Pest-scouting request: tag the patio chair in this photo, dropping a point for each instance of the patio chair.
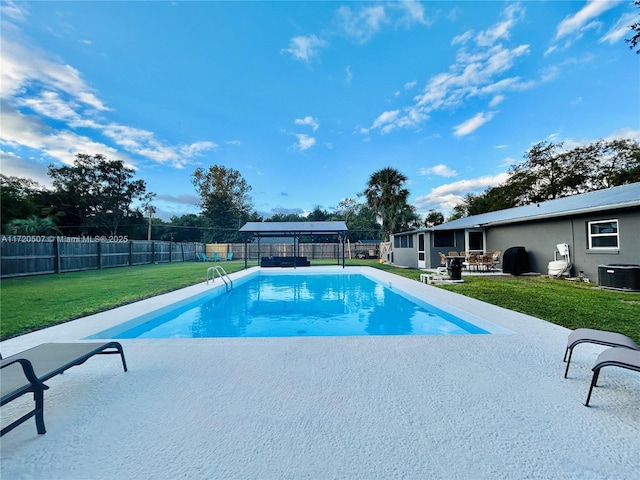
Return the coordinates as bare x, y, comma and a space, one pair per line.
229, 256
614, 357
599, 337
496, 258
216, 257
202, 257
27, 371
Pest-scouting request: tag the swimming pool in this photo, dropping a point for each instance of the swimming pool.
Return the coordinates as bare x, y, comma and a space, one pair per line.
287, 304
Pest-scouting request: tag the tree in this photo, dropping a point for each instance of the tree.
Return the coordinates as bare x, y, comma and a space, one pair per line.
149, 210
34, 226
225, 201
387, 197
434, 217
318, 215
635, 39
20, 198
549, 172
96, 195
286, 217
619, 164
186, 228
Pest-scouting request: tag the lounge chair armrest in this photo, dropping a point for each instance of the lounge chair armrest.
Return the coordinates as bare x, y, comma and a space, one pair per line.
29, 373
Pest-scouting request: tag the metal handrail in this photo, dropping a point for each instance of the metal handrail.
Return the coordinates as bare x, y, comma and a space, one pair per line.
228, 283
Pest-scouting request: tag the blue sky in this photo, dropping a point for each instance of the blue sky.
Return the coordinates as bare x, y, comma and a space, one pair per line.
308, 99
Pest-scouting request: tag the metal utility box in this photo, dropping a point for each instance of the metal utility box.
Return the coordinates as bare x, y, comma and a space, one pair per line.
619, 276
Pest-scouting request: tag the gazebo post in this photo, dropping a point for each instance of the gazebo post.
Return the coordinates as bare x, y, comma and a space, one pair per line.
246, 242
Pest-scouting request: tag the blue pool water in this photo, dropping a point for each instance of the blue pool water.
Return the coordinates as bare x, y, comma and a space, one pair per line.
299, 305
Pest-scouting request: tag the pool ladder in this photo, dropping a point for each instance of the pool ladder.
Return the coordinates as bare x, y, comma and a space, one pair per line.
228, 283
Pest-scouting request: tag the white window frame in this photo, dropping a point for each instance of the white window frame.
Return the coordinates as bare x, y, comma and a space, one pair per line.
600, 235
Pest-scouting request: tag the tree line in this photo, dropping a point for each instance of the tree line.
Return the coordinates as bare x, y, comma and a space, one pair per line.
550, 171
98, 196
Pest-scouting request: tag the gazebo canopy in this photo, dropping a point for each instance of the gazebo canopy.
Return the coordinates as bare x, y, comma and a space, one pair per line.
295, 230
292, 229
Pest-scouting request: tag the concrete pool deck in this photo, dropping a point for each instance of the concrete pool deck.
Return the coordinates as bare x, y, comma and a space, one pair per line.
437, 407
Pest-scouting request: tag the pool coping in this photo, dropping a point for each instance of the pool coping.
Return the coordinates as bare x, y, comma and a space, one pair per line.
404, 287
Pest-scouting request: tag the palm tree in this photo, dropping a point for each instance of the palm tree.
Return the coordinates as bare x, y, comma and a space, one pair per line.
388, 198
33, 225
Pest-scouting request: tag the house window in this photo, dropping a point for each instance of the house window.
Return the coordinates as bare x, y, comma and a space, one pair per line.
403, 241
603, 234
443, 238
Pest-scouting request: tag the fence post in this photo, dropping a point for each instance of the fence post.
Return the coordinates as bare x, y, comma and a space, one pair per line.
182, 248
130, 253
99, 255
57, 246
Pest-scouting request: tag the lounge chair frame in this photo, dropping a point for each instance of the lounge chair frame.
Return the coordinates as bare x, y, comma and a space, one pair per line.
38, 367
614, 357
598, 337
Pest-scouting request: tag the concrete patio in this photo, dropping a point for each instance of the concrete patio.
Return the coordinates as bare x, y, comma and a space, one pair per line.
415, 407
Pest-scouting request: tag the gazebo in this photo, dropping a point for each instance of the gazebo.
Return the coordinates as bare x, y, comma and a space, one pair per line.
293, 230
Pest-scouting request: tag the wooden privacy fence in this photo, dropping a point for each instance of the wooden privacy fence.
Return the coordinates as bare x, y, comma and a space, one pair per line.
312, 251
42, 255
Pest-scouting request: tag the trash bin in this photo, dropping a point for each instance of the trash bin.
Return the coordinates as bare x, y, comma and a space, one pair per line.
455, 269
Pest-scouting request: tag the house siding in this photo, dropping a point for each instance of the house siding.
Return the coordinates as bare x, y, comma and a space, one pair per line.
629, 242
540, 239
539, 227
408, 256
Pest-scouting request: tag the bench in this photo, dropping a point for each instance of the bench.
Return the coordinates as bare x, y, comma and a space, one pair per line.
27, 371
284, 262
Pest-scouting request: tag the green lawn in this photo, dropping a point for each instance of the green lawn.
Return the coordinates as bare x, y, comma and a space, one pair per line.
31, 303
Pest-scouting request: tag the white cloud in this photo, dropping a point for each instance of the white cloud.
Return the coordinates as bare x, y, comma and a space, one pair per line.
501, 30
549, 73
364, 23
14, 11
15, 166
310, 121
621, 28
622, 134
28, 131
479, 70
305, 142
497, 100
385, 118
581, 20
445, 197
471, 125
348, 75
304, 48
441, 170
414, 11
463, 38
58, 92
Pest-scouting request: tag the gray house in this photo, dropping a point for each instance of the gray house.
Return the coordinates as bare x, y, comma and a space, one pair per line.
600, 227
